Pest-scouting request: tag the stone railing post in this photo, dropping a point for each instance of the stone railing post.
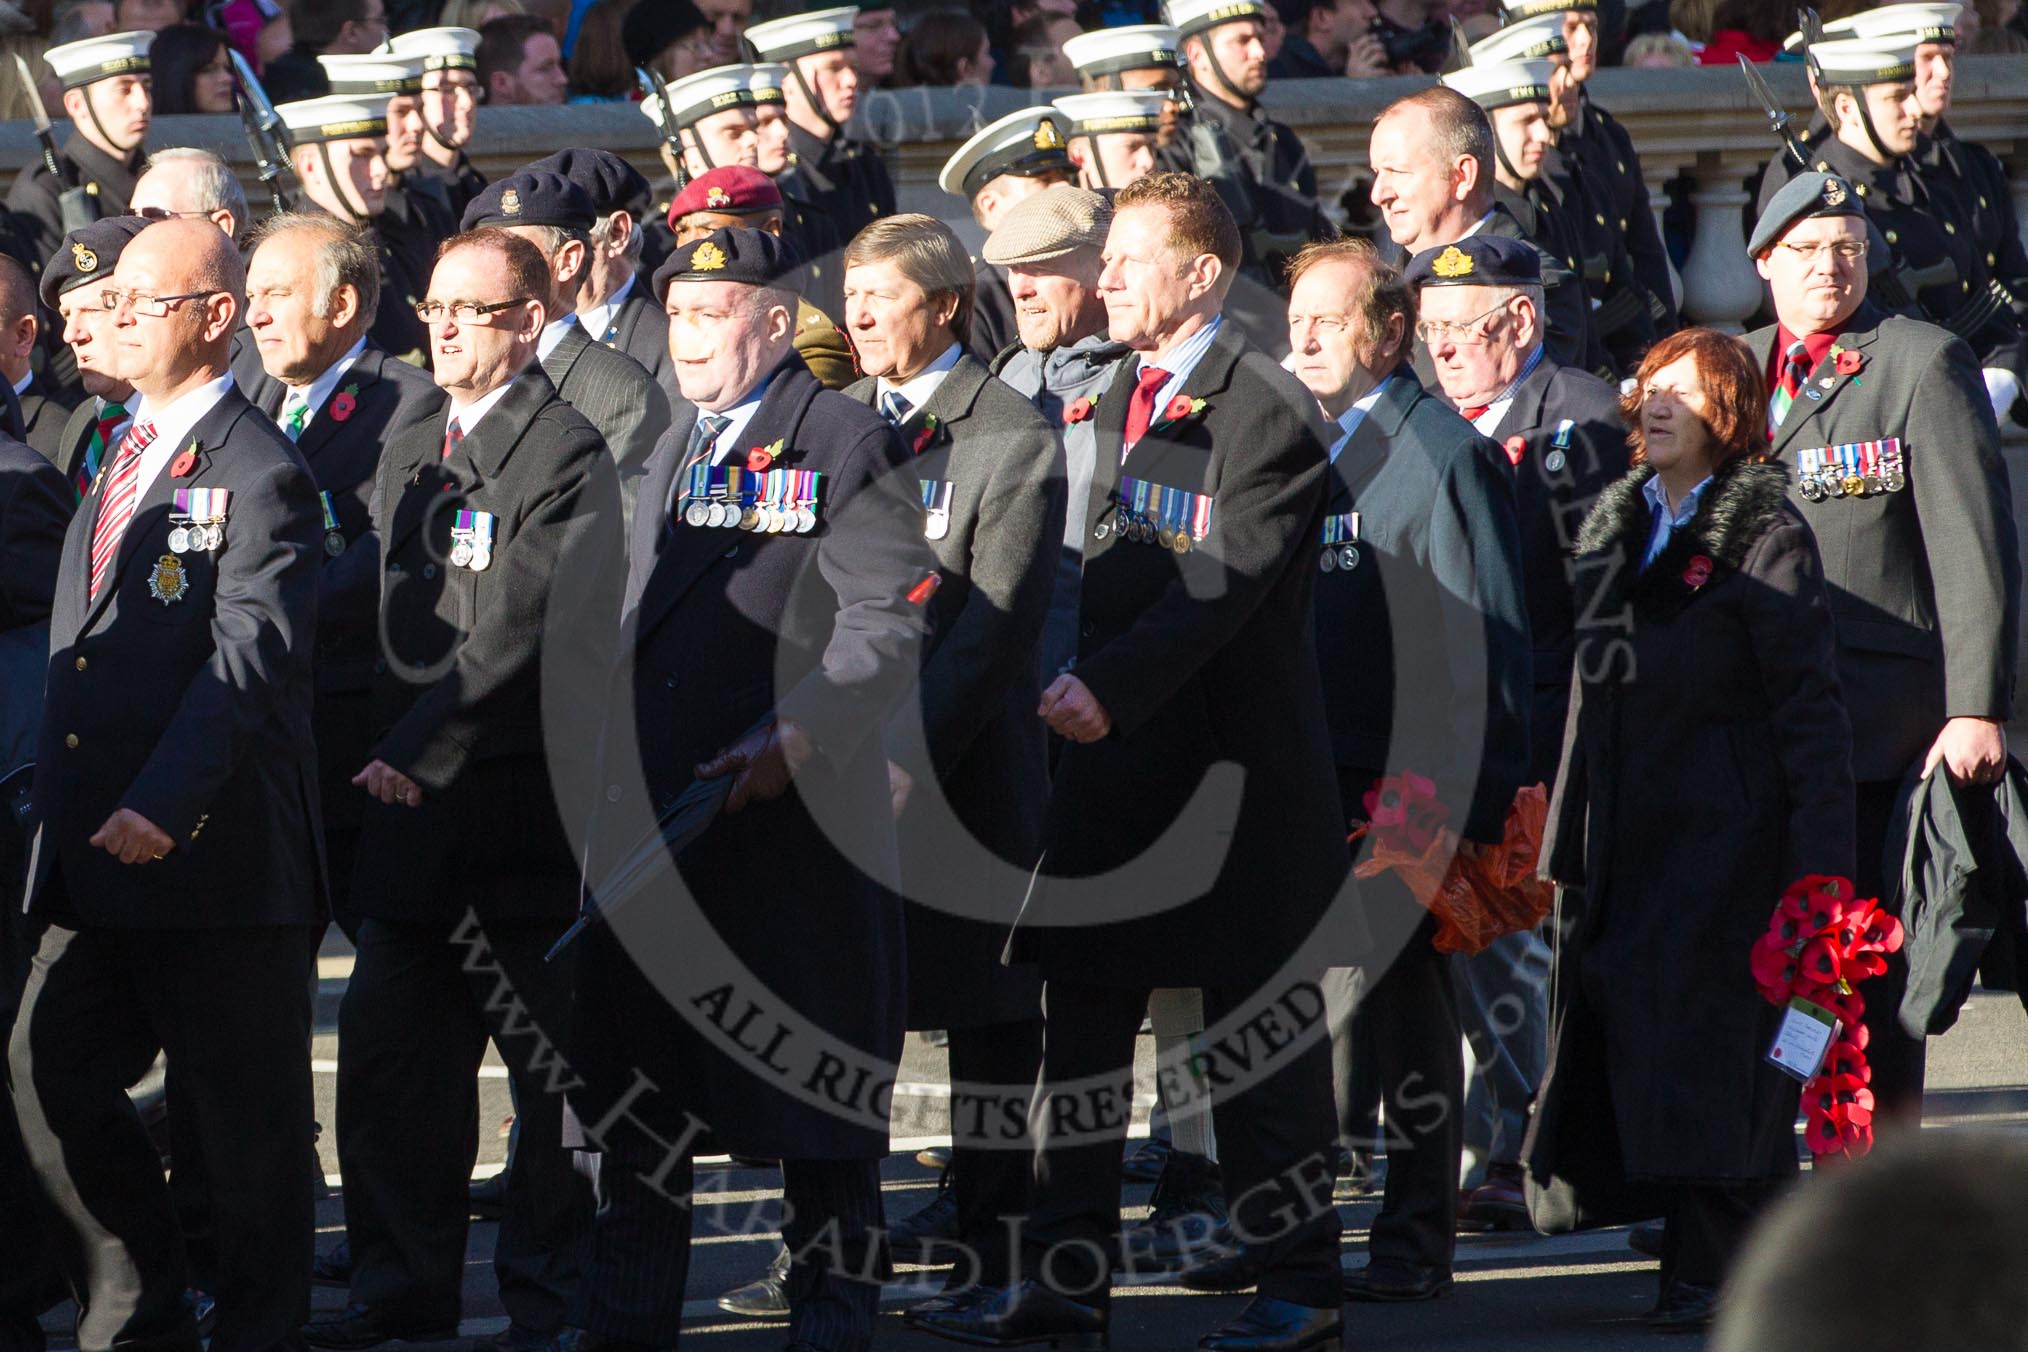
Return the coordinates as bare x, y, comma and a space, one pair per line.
1657, 172
1721, 289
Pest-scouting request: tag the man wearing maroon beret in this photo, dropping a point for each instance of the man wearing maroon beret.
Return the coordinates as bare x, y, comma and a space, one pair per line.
736, 195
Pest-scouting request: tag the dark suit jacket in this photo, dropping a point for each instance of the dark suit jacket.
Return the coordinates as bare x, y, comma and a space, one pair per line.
484, 670
35, 508
1568, 318
1925, 583
43, 418
723, 626
386, 397
1424, 642
972, 739
615, 395
1573, 443
1200, 658
193, 712
641, 330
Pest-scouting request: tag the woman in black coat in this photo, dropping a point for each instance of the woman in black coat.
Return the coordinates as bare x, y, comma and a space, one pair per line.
1707, 767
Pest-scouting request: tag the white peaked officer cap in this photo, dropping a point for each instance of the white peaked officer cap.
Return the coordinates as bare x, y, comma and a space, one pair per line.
1028, 142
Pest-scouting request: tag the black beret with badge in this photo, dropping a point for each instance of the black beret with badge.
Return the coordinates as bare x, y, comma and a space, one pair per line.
1807, 196
88, 255
609, 181
531, 197
732, 254
1477, 260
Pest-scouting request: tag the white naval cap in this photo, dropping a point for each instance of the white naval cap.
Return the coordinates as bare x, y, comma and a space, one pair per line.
696, 97
1191, 17
1503, 84
80, 63
1513, 11
437, 48
801, 34
1856, 61
1108, 51
1026, 142
372, 73
767, 80
1534, 39
334, 117
1118, 110
1918, 23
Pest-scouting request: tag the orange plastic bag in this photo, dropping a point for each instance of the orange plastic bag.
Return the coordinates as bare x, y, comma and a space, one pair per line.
1474, 900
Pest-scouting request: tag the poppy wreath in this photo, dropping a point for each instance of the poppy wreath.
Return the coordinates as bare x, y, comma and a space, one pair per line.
1821, 942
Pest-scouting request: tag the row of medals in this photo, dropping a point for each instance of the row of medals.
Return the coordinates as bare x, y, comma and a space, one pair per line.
465, 554
767, 520
194, 535
1334, 557
1142, 530
1817, 487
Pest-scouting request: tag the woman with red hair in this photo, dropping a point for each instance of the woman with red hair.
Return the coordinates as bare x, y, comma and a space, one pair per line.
1707, 767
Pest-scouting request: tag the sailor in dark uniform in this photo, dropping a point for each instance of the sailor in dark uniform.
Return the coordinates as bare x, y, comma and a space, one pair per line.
1020, 154
449, 103
811, 233
1115, 135
1259, 166
846, 177
1135, 58
106, 96
336, 146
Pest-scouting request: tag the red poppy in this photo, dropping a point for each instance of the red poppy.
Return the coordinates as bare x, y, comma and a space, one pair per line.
758, 460
1774, 969
924, 438
1845, 1058
1849, 362
1078, 411
1517, 449
180, 467
1819, 962
1879, 932
1405, 806
1179, 407
1697, 572
342, 404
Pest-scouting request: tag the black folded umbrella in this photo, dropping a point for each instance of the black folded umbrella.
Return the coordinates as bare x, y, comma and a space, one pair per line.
682, 822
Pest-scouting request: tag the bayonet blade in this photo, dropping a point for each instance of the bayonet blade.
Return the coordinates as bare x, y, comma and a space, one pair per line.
1777, 116
34, 94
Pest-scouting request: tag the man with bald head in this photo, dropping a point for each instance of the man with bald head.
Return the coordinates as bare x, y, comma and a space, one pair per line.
177, 861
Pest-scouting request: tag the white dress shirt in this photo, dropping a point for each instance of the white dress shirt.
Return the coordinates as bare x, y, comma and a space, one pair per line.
1497, 410
468, 415
318, 392
598, 321
1349, 420
552, 334
918, 388
173, 422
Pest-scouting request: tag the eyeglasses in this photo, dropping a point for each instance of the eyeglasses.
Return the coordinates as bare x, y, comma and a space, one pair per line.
1843, 250
462, 311
154, 307
163, 213
1434, 331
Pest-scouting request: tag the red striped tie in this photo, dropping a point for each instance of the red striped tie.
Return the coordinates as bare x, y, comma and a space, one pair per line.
116, 509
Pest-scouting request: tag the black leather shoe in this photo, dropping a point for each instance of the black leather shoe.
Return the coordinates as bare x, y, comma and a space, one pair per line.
1025, 1315
356, 1326
203, 1309
1270, 1325
333, 1267
1646, 1239
934, 1157
1684, 1308
766, 1298
947, 1301
520, 1338
487, 1197
1225, 1274
1145, 1164
1187, 1225
1499, 1203
1391, 1281
923, 1236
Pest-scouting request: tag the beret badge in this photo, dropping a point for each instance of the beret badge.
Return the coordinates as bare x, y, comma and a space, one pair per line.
1453, 262
708, 258
717, 197
86, 260
510, 203
1834, 193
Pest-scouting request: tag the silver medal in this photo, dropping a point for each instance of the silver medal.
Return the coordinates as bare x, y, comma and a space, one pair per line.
1555, 461
696, 514
1328, 561
461, 554
179, 540
938, 525
806, 520
481, 558
1348, 557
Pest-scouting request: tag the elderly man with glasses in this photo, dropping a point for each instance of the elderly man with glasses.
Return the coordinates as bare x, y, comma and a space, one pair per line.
498, 527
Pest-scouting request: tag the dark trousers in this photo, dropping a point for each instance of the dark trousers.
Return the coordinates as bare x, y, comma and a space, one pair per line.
29, 1282
639, 1257
1398, 1041
992, 1152
1898, 1060
230, 1009
1707, 1224
1274, 1143
412, 1028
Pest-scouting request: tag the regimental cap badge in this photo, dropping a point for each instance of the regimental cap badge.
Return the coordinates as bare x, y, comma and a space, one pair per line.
86, 260
1453, 262
510, 203
1047, 137
717, 197
708, 258
1834, 192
